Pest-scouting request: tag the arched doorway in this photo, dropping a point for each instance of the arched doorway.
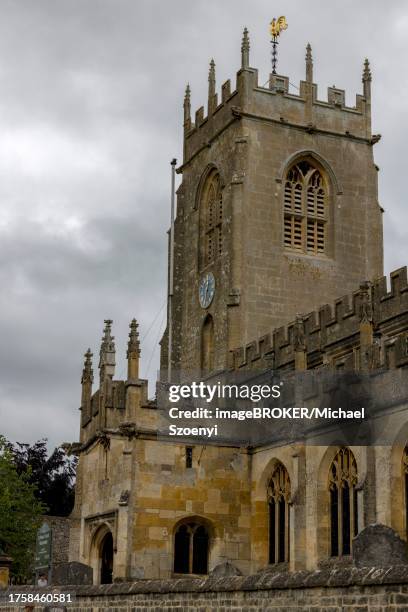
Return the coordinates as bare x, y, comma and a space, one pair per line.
106, 556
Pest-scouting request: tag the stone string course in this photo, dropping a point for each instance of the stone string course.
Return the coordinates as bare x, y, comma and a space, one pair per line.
329, 590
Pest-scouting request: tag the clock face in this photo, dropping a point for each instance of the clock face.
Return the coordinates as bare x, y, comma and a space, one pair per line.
206, 290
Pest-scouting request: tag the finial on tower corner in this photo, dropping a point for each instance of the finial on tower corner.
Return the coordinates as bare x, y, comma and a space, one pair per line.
107, 338
245, 46
309, 63
187, 108
87, 372
105, 334
367, 81
133, 351
211, 72
107, 351
211, 87
366, 72
108, 325
133, 343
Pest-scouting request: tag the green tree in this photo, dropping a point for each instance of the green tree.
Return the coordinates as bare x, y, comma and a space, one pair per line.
53, 475
20, 514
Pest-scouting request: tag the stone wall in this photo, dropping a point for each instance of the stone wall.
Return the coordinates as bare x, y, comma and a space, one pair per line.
60, 526
348, 589
226, 489
162, 492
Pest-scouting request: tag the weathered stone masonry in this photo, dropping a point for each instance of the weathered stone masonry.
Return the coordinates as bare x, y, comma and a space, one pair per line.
269, 313
348, 590
251, 137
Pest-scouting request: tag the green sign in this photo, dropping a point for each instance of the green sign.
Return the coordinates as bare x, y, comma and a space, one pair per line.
43, 547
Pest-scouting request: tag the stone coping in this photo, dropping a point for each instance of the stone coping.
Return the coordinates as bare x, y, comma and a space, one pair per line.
265, 580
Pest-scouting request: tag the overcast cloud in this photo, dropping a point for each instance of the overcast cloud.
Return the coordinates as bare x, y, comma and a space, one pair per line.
90, 116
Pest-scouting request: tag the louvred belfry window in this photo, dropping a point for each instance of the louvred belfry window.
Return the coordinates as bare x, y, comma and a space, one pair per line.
212, 219
305, 210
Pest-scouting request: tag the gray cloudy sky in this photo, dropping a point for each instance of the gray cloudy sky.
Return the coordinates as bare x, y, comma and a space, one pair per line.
90, 116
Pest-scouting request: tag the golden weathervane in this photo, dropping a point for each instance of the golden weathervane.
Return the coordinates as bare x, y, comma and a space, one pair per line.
276, 27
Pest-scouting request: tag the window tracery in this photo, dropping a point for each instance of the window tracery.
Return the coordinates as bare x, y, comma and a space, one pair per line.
278, 503
405, 477
305, 209
212, 219
343, 502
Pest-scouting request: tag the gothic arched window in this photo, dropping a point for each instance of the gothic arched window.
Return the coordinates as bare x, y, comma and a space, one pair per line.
191, 549
305, 209
207, 345
405, 484
211, 218
343, 502
278, 503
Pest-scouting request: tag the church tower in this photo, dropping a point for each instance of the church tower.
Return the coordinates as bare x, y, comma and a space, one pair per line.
277, 212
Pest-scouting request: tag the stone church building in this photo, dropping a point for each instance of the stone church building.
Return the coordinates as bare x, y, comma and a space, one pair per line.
277, 220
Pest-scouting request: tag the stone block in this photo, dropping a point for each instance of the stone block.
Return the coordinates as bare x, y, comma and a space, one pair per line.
379, 546
72, 573
225, 570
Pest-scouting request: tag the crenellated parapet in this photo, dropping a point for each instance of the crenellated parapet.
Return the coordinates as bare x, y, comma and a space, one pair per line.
274, 102
367, 329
